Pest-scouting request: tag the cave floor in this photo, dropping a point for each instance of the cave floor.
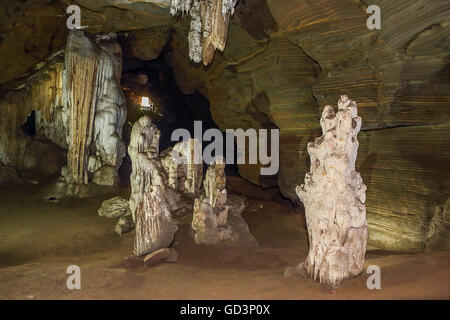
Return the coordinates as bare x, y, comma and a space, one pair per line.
39, 240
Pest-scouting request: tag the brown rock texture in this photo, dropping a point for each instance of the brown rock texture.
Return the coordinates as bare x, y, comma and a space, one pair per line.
282, 61
298, 55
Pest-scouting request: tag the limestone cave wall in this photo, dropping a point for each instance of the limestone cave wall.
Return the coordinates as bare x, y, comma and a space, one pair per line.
283, 62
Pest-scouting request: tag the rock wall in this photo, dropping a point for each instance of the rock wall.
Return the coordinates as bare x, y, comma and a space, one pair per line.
284, 59
42, 154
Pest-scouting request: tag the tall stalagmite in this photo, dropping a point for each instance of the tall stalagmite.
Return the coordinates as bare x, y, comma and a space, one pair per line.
152, 200
334, 196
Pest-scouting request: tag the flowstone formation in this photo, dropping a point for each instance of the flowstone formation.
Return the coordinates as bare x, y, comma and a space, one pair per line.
209, 25
334, 196
216, 219
97, 109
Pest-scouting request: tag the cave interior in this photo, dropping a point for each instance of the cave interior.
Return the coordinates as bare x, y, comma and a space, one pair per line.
82, 111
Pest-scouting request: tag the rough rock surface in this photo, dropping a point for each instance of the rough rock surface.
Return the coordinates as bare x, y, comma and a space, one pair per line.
124, 225
155, 228
116, 207
334, 196
282, 61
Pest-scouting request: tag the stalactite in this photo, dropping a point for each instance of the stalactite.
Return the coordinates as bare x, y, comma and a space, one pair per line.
97, 109
81, 66
209, 25
334, 196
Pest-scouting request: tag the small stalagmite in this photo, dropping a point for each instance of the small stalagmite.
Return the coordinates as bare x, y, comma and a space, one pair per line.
184, 166
210, 221
334, 196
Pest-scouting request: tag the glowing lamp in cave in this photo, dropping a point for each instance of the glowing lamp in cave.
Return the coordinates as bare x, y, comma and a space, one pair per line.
145, 102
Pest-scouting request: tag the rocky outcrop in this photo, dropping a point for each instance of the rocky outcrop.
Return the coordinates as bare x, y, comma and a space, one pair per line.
334, 196
118, 207
282, 60
38, 101
114, 208
297, 55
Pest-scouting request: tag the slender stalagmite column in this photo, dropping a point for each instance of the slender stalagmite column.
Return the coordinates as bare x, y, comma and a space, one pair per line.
334, 196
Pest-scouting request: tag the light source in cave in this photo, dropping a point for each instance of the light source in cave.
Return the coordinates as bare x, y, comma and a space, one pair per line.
146, 103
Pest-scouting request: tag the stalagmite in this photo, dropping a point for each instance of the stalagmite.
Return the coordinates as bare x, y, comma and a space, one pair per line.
151, 200
210, 210
334, 196
217, 220
143, 151
155, 228
186, 175
209, 26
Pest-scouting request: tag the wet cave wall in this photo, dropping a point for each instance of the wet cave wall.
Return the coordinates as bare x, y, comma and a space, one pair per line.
283, 62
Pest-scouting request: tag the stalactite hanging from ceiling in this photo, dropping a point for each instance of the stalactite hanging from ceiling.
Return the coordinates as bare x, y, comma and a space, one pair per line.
81, 68
209, 25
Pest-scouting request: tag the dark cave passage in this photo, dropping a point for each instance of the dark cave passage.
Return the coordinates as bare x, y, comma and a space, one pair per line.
168, 107
29, 127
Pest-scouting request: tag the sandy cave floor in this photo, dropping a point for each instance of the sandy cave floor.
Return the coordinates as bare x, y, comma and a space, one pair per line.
39, 240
